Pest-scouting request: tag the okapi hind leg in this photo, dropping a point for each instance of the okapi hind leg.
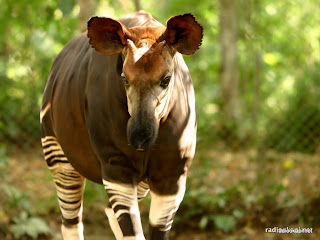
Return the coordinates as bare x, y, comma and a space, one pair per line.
70, 187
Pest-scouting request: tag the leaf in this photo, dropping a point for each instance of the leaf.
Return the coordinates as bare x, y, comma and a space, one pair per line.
32, 227
204, 222
288, 163
66, 6
226, 223
238, 213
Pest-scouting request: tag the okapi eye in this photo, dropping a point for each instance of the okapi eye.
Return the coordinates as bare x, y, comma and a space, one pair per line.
125, 80
165, 82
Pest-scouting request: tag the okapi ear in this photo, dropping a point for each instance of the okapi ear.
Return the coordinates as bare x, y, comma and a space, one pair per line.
106, 35
184, 33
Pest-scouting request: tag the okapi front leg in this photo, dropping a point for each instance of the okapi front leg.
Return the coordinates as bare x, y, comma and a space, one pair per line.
124, 203
162, 212
113, 222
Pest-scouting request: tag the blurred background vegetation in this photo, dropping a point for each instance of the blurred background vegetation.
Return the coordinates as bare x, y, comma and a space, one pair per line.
257, 84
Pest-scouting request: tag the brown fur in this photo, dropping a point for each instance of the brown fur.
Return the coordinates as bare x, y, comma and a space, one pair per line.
86, 108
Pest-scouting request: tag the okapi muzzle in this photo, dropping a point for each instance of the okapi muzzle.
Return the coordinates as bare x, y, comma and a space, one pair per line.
142, 131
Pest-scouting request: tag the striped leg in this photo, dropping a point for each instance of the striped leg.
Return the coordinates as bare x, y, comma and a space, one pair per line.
113, 222
143, 189
162, 211
69, 185
124, 203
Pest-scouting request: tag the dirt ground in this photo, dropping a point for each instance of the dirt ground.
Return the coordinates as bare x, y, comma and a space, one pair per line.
27, 171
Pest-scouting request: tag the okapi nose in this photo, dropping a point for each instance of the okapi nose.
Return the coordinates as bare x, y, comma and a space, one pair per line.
140, 139
140, 136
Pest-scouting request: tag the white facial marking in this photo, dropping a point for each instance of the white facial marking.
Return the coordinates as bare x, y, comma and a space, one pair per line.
158, 99
164, 99
132, 96
137, 52
188, 138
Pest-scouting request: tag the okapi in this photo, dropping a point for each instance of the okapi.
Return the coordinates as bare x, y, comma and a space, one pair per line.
119, 109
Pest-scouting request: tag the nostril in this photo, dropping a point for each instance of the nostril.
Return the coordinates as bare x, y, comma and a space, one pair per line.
140, 139
141, 134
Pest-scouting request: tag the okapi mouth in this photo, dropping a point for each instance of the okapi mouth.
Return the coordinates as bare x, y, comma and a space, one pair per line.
142, 134
140, 150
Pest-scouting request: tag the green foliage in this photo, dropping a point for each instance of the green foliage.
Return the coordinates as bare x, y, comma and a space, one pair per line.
225, 223
278, 67
16, 199
297, 127
19, 216
31, 36
3, 160
28, 226
95, 194
200, 201
229, 190
277, 59
16, 214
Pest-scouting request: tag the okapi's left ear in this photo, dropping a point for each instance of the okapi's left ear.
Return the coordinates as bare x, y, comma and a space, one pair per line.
184, 33
107, 36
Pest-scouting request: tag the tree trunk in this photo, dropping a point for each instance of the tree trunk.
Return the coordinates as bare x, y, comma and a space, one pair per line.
230, 107
87, 8
137, 5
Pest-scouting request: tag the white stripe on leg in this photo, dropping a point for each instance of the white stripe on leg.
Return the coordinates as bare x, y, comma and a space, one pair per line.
123, 199
138, 237
163, 207
73, 233
69, 185
114, 223
124, 195
143, 189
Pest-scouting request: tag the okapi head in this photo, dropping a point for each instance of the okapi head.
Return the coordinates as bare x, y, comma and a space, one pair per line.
148, 67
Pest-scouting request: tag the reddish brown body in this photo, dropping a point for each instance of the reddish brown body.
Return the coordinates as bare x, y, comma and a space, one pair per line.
120, 108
